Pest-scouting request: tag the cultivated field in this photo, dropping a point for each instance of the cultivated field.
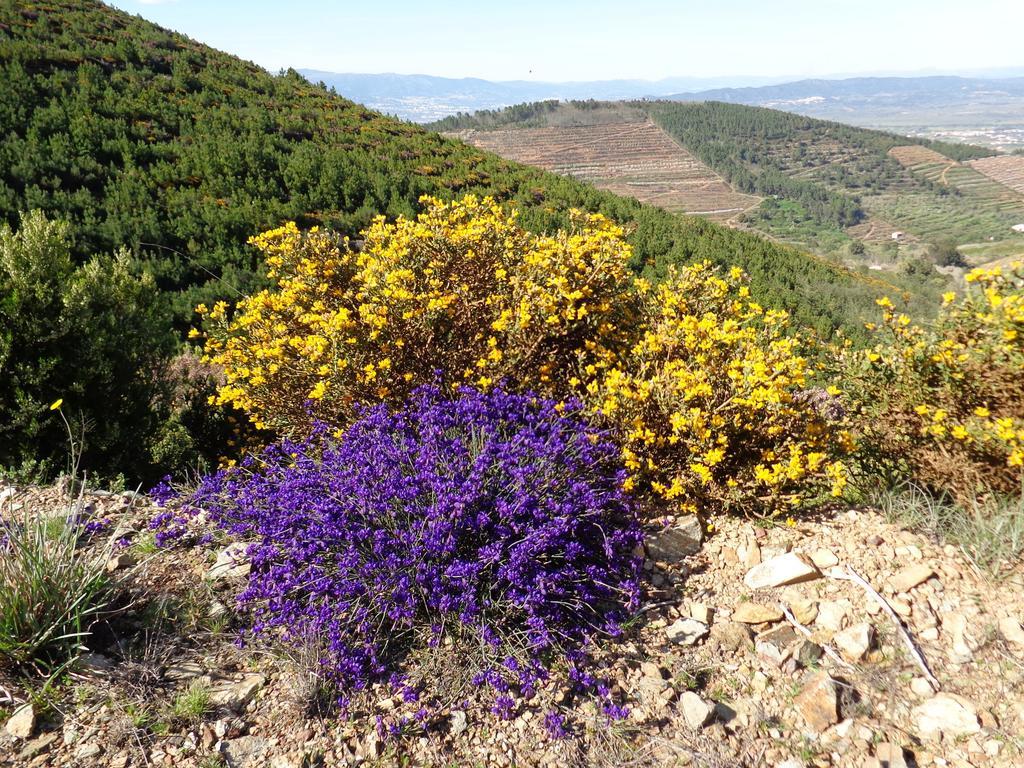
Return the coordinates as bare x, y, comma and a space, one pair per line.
1005, 169
933, 217
985, 207
939, 169
634, 158
914, 155
999, 253
877, 230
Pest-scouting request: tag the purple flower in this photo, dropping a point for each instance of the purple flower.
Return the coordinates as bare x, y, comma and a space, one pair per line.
163, 492
554, 724
499, 513
96, 526
504, 707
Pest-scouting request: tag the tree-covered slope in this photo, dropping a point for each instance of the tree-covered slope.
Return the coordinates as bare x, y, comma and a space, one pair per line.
144, 138
820, 164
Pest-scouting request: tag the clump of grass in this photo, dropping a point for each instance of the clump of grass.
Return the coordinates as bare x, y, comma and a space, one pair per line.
145, 544
193, 703
989, 530
303, 660
51, 590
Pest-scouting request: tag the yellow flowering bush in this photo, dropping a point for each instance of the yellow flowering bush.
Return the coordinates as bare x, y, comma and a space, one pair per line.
944, 403
461, 292
712, 400
706, 390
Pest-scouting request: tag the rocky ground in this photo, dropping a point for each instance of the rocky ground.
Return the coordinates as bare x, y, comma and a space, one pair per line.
762, 646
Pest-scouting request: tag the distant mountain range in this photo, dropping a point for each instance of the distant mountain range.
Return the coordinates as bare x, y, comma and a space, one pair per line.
889, 91
875, 96
988, 110
423, 98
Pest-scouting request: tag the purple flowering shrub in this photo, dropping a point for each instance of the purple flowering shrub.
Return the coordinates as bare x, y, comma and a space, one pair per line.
498, 514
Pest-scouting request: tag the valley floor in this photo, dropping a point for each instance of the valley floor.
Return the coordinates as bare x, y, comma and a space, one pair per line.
754, 648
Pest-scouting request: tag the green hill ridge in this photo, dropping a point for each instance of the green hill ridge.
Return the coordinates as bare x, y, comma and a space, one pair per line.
143, 138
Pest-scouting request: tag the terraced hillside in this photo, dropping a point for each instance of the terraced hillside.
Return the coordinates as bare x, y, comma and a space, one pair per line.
863, 197
914, 156
1006, 169
980, 207
633, 158
878, 231
968, 179
846, 192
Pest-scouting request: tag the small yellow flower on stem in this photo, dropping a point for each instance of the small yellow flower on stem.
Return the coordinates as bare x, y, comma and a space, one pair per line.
56, 404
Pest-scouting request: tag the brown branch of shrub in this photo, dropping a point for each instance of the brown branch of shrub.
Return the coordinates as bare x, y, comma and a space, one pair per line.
851, 575
829, 651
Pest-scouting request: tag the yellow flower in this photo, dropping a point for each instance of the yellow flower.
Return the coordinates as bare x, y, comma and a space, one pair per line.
701, 471
692, 373
714, 456
56, 404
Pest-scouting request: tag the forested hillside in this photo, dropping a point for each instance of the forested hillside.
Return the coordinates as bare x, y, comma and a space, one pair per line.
704, 121
146, 139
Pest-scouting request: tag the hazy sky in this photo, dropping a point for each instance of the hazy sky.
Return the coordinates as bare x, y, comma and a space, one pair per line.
605, 39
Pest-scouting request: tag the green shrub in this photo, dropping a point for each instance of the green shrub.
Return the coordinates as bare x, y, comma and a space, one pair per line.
94, 335
946, 254
193, 435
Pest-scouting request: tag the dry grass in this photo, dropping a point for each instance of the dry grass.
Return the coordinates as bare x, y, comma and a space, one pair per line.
52, 588
989, 531
916, 154
308, 691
